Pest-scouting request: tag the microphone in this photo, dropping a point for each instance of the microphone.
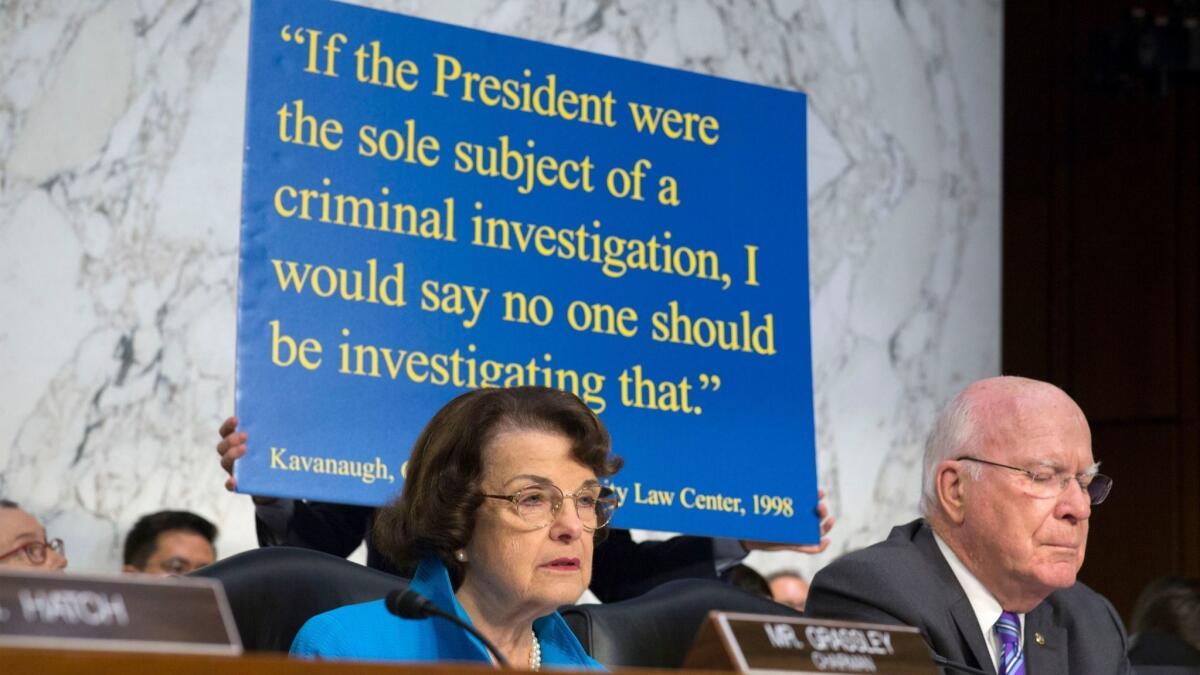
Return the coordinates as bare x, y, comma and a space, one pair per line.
962, 668
409, 604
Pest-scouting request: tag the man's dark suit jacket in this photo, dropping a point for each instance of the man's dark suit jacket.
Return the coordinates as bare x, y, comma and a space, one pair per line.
906, 580
621, 568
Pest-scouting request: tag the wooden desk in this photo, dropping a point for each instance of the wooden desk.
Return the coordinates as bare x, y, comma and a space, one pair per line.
60, 662
57, 662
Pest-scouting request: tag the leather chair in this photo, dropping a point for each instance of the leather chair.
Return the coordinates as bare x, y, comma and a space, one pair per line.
656, 630
1151, 650
273, 591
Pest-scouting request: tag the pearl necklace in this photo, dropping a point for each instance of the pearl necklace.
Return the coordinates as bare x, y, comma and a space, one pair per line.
535, 652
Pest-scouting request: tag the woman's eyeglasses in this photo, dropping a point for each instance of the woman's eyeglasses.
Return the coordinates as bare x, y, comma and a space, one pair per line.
539, 505
35, 551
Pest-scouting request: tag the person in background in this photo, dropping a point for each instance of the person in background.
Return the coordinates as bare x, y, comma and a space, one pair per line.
23, 541
500, 511
1166, 624
989, 574
789, 587
170, 543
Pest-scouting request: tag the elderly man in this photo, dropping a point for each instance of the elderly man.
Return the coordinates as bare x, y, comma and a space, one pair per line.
23, 541
989, 574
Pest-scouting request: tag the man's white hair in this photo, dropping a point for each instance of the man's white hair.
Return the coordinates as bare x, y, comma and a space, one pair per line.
953, 435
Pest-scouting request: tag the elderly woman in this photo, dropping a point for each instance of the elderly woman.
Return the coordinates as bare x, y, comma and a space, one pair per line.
500, 510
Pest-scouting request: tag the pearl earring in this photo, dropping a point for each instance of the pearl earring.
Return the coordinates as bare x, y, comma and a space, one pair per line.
460, 555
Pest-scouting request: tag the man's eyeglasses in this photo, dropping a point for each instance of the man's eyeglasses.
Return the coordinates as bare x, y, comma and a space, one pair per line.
35, 551
539, 505
175, 566
1045, 484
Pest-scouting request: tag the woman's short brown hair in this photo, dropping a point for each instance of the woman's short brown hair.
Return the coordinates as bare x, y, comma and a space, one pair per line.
435, 513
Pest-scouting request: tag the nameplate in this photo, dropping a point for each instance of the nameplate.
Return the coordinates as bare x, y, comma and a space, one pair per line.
125, 613
759, 644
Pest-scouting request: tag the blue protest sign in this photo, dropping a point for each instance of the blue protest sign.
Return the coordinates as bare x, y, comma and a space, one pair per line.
429, 209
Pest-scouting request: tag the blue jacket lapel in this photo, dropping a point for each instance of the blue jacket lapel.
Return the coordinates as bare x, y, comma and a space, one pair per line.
433, 581
559, 646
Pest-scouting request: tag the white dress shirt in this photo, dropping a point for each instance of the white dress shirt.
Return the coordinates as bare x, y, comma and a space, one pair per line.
987, 607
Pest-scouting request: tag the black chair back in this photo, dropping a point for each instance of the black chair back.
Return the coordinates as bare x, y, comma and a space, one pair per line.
273, 591
656, 630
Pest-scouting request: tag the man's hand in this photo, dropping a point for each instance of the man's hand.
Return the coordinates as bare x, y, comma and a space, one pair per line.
826, 526
231, 448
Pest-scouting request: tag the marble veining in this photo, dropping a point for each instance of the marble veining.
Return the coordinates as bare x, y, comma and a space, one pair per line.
120, 174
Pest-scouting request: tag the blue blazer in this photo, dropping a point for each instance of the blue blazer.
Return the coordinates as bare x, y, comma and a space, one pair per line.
367, 631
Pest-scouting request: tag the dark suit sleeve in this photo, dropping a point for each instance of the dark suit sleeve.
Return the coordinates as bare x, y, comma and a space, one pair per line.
336, 529
1124, 666
623, 568
851, 591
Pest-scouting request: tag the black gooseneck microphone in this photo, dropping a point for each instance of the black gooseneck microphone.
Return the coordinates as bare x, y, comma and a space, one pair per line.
962, 668
409, 604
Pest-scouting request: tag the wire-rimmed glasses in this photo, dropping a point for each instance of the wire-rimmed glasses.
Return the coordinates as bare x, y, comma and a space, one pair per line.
539, 504
1047, 483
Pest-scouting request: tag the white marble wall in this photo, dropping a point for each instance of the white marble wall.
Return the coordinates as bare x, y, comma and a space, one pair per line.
120, 173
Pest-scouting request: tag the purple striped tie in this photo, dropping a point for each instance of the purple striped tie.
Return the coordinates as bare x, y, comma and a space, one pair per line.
1012, 661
